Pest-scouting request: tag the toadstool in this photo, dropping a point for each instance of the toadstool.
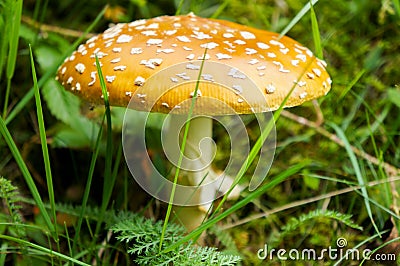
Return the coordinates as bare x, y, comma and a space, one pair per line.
150, 65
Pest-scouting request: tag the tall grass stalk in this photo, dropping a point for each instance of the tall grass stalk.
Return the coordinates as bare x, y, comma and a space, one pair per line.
387, 195
296, 19
3, 253
316, 34
45, 151
182, 149
220, 9
48, 252
396, 4
109, 179
179, 7
357, 171
14, 11
27, 176
351, 84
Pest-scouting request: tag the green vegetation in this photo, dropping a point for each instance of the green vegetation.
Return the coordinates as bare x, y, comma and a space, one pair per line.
67, 195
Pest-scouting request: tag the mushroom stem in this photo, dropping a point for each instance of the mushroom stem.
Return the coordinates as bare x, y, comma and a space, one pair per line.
195, 167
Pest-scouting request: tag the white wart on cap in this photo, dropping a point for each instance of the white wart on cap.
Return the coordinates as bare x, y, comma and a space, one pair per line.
130, 53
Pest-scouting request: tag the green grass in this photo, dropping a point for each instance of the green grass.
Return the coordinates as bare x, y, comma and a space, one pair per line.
336, 168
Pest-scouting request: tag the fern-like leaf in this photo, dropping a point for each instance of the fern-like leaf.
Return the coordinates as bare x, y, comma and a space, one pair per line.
10, 195
143, 239
294, 223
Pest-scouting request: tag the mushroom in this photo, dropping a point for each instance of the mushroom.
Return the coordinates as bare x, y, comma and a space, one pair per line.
154, 64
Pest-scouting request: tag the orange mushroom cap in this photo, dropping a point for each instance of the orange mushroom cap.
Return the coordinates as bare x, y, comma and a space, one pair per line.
132, 55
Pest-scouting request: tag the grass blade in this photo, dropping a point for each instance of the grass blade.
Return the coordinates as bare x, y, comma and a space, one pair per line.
49, 252
15, 16
179, 8
109, 182
12, 55
26, 174
4, 31
357, 171
3, 253
316, 34
220, 9
296, 19
43, 140
396, 4
107, 172
182, 149
351, 84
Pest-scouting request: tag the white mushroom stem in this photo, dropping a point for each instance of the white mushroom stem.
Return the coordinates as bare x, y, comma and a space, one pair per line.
195, 168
